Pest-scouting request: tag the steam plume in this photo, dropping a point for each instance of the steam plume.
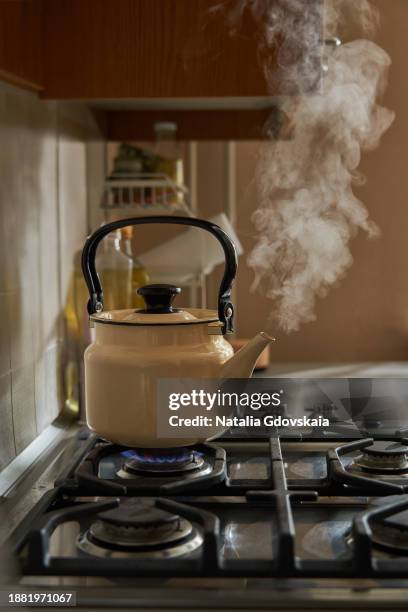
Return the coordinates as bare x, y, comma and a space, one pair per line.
307, 212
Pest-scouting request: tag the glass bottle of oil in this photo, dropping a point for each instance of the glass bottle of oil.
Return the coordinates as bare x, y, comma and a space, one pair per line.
115, 272
170, 157
140, 276
76, 338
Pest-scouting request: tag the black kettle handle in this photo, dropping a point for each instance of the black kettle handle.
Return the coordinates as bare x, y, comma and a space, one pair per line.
225, 307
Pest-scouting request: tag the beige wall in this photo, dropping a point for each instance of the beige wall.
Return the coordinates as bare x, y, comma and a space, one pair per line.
43, 221
366, 316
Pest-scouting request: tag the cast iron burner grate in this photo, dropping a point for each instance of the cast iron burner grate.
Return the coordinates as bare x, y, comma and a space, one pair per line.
386, 523
138, 528
381, 467
84, 476
109, 469
32, 538
158, 461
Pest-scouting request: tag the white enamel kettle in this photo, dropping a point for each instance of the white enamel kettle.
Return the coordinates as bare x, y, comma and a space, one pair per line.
133, 349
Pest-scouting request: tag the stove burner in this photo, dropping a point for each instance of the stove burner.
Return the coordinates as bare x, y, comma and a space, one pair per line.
161, 461
381, 467
383, 457
388, 533
138, 528
391, 534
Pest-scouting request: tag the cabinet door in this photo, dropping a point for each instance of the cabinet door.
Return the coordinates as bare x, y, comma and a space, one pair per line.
21, 40
155, 49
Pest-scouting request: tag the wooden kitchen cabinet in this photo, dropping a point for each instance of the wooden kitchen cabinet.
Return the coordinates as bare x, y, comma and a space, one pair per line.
21, 43
128, 55
147, 49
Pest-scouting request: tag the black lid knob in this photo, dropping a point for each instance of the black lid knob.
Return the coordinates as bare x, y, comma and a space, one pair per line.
158, 298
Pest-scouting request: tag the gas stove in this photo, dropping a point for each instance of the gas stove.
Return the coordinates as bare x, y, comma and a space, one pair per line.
233, 523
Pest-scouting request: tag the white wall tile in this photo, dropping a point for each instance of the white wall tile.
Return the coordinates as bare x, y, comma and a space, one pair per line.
23, 401
72, 181
43, 222
7, 446
48, 387
5, 357
22, 314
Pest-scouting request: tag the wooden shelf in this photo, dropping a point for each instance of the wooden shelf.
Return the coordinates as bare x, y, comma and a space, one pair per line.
191, 124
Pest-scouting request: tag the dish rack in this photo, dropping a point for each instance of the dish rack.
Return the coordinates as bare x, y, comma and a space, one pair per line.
145, 194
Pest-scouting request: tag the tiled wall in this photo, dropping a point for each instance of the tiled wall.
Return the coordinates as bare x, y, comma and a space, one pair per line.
43, 221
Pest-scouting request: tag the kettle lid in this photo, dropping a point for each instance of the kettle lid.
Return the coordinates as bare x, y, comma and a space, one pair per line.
158, 310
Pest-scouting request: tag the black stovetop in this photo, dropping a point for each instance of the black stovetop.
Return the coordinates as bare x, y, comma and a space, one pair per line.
294, 509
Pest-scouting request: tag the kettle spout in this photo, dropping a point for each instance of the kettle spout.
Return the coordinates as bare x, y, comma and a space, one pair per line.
242, 364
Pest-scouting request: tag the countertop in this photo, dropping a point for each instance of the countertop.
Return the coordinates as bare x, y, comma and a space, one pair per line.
380, 369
